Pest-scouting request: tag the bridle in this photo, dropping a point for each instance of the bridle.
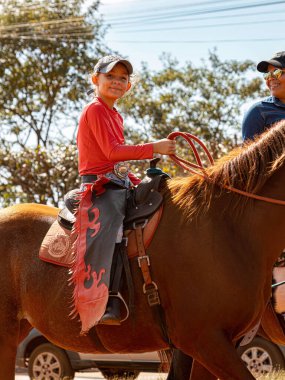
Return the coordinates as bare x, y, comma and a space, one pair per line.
199, 168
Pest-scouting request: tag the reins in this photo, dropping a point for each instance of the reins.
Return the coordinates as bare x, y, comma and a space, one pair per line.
199, 168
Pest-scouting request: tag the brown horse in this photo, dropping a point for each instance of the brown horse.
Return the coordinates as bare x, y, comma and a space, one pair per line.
212, 259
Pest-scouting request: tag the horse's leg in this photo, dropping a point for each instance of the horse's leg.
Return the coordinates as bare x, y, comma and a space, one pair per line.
25, 328
218, 355
200, 372
180, 366
9, 335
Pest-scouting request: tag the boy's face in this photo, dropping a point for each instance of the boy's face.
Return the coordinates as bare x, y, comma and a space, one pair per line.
114, 84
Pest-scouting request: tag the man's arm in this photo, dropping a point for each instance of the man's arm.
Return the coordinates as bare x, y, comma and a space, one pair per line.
253, 123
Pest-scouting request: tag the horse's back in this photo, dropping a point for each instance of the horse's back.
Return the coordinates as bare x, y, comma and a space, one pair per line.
26, 211
22, 224
22, 229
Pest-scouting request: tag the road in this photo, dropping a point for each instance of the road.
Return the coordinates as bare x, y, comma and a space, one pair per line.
22, 375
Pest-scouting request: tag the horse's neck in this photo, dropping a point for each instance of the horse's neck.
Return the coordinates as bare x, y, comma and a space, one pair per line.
265, 220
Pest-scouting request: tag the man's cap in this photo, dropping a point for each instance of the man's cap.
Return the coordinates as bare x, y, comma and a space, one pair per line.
107, 63
278, 60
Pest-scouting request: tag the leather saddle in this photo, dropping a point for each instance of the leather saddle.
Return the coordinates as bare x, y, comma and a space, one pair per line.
142, 202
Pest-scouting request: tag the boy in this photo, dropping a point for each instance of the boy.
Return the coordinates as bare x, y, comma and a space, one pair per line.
103, 167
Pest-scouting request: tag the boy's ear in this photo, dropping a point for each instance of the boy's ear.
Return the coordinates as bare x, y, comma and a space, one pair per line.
129, 86
94, 79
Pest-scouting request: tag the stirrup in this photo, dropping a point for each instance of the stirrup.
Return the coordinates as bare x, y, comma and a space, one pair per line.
118, 295
117, 321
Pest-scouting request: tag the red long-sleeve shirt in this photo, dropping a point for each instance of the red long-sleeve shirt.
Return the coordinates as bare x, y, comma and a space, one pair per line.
101, 143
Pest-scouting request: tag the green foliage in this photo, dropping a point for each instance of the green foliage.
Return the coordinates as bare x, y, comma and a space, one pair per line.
38, 175
47, 50
205, 101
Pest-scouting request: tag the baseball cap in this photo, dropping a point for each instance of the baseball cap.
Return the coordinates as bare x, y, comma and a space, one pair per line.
278, 60
106, 64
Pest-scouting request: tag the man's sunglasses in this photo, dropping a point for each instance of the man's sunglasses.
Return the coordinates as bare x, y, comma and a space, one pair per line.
275, 74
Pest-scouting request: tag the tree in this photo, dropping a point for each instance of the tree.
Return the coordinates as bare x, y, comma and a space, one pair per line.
38, 175
47, 49
205, 101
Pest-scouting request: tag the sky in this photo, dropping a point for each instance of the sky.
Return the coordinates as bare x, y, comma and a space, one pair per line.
142, 30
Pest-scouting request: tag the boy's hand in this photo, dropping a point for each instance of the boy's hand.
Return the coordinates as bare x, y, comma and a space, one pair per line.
164, 146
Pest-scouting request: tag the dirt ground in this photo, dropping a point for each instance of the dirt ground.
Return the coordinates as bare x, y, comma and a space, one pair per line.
23, 375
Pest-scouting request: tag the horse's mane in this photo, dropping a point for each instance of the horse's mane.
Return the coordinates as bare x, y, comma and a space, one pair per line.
247, 168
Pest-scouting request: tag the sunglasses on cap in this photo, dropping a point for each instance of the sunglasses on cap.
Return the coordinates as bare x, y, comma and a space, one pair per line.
275, 74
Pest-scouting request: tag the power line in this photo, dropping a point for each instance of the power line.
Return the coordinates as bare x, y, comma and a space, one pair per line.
39, 37
103, 3
199, 41
201, 18
67, 28
154, 18
177, 6
203, 26
48, 30
75, 37
72, 20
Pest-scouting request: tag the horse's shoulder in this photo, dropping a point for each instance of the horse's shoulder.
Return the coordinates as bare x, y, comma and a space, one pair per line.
26, 210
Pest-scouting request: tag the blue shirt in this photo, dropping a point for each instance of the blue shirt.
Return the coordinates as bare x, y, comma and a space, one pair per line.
261, 116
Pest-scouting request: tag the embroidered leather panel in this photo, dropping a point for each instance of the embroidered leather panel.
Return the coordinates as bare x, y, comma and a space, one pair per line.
57, 244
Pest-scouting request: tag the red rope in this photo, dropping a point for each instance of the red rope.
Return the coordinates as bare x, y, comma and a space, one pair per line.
189, 166
199, 168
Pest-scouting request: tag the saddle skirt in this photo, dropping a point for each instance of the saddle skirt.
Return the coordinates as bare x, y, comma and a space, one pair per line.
57, 245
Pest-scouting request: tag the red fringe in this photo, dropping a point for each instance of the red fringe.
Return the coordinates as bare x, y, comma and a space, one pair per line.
88, 304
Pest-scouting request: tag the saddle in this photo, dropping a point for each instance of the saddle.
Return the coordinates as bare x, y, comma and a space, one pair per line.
142, 202
143, 208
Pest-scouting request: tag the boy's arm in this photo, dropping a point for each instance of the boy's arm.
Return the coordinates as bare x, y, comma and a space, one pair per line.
108, 142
